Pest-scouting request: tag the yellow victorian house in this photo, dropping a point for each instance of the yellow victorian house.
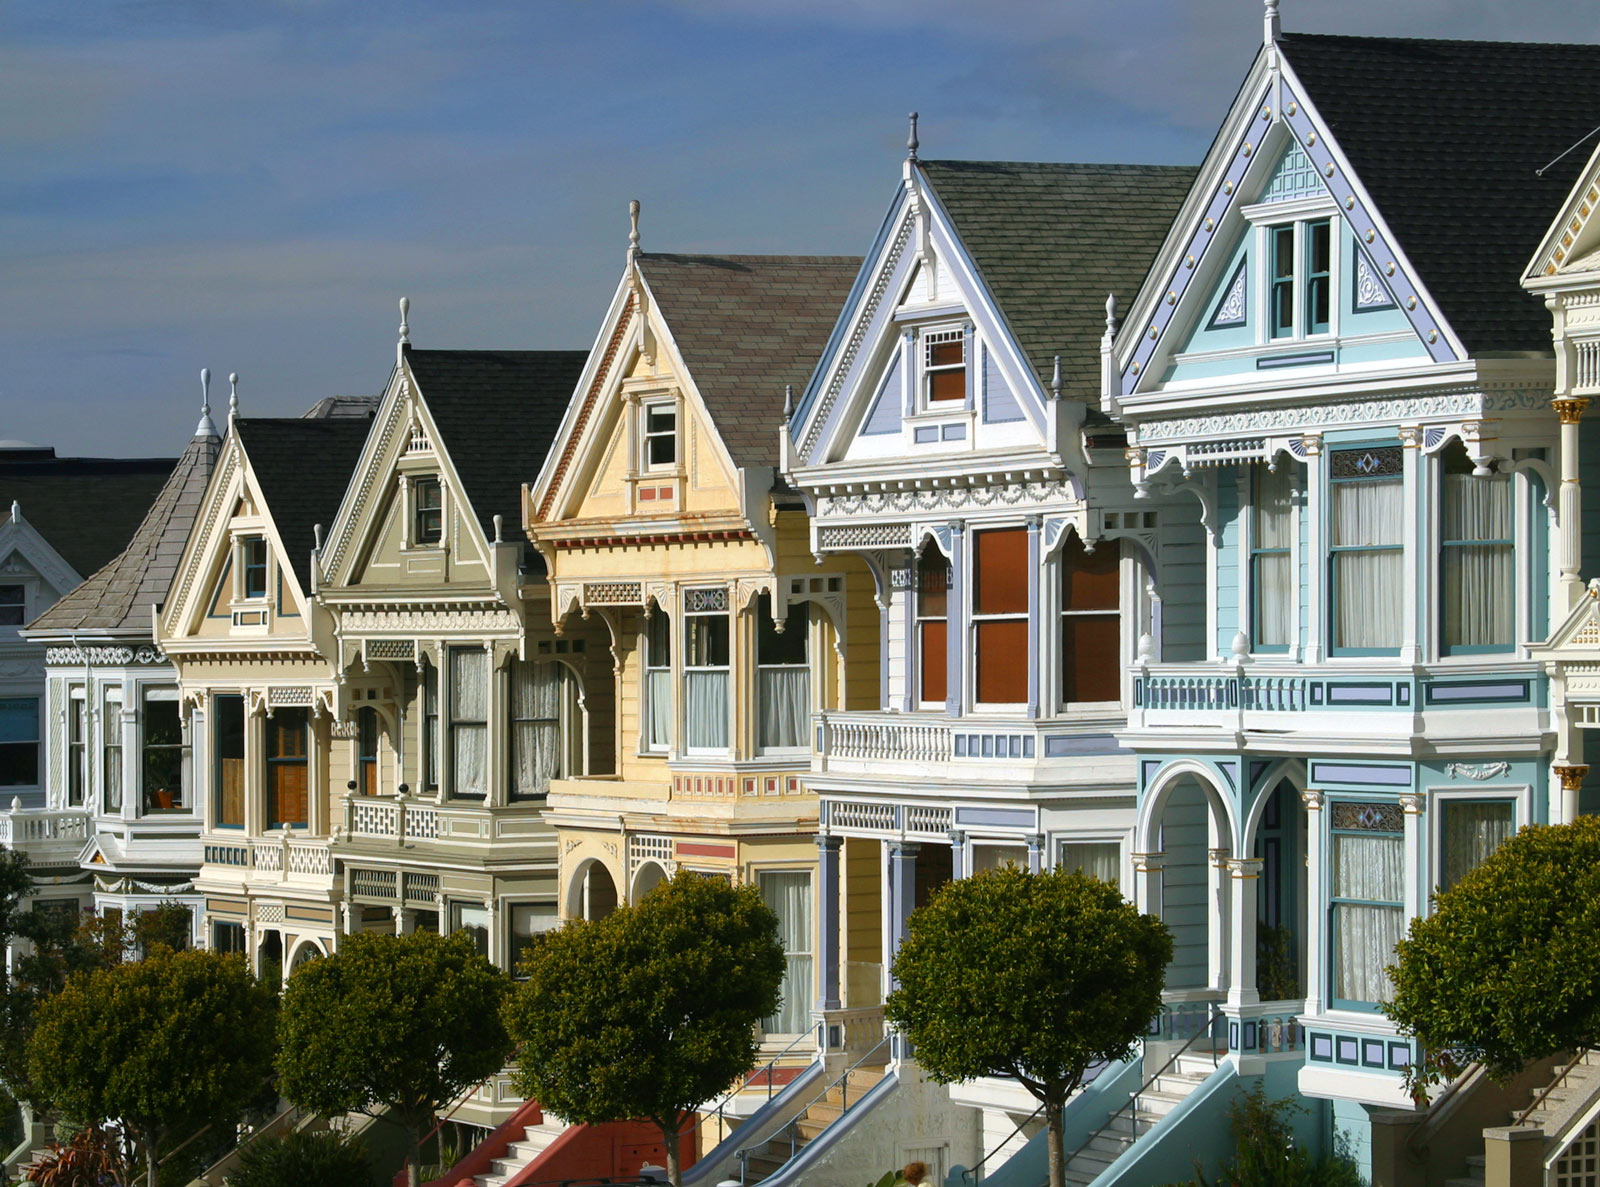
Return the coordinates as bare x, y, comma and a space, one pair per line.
660, 512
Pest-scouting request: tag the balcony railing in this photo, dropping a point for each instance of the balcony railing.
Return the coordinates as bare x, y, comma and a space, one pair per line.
978, 747
390, 819
63, 827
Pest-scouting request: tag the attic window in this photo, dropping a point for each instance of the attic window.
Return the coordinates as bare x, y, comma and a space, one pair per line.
430, 510
253, 566
13, 605
660, 436
944, 365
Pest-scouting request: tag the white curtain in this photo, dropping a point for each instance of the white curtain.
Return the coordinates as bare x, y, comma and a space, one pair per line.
1478, 577
1274, 572
1101, 860
1471, 833
535, 726
706, 707
658, 692
785, 706
1368, 867
1370, 585
789, 896
469, 715
111, 724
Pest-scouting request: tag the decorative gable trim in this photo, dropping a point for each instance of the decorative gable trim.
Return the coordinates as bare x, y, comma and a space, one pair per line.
219, 505
372, 453
18, 537
1569, 236
1230, 311
572, 435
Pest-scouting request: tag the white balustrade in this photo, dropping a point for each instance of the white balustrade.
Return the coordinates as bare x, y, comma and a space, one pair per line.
878, 737
25, 826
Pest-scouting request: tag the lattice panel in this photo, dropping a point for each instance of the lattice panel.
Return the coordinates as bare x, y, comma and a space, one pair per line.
643, 847
613, 593
880, 535
1579, 1164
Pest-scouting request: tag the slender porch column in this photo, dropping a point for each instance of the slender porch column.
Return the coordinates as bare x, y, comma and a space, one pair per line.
958, 856
1221, 918
1147, 882
955, 644
902, 892
1411, 618
404, 919
1316, 861
490, 907
1569, 504
1245, 875
1035, 853
1418, 868
828, 921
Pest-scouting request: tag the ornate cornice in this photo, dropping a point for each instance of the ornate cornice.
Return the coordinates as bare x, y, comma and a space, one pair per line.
1467, 403
103, 657
954, 498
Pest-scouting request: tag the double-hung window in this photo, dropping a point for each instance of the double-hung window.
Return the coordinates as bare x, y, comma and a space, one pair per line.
427, 497
1000, 582
111, 750
288, 768
367, 750
933, 599
1367, 549
1368, 900
705, 668
660, 435
77, 751
253, 566
1272, 573
1477, 558
1091, 622
789, 896
783, 682
19, 742
944, 366
537, 693
430, 725
1471, 830
162, 761
658, 680
469, 722
1300, 288
13, 605
228, 737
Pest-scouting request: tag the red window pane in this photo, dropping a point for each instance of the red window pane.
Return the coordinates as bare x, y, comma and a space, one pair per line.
1002, 662
1000, 572
932, 640
933, 584
1091, 661
945, 354
948, 385
1089, 579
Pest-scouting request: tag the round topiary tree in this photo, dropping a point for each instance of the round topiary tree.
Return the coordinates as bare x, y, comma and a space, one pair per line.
1031, 976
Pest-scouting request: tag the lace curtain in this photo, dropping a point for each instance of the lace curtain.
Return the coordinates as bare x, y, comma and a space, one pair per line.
1478, 577
1471, 833
1101, 860
536, 695
789, 896
112, 724
1274, 562
1370, 867
785, 706
469, 716
1370, 585
706, 709
658, 692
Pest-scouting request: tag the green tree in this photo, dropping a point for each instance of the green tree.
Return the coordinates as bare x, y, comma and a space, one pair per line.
1503, 971
1032, 976
650, 1011
163, 1046
300, 1159
168, 923
404, 1023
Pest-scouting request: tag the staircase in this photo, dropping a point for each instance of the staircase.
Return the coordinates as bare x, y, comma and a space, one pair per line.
1150, 1107
764, 1161
1554, 1109
1474, 1176
536, 1140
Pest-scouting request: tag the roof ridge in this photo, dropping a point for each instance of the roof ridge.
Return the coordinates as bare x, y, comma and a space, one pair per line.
1053, 164
1378, 39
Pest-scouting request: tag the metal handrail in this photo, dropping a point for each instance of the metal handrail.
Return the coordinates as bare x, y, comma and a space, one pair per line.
970, 1173
768, 1067
1209, 1031
1523, 1116
843, 1084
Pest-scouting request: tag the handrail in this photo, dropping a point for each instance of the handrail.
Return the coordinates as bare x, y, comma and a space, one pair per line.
969, 1173
727, 1096
1210, 1031
844, 1107
1523, 1116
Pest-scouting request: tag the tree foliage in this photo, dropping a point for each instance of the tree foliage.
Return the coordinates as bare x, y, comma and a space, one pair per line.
392, 1022
163, 1046
651, 1011
1031, 976
299, 1159
1504, 970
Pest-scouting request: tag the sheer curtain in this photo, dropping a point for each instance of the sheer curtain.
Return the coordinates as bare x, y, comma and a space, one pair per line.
706, 708
785, 706
535, 726
1274, 560
469, 716
789, 896
1370, 585
659, 693
1471, 833
1101, 859
1370, 867
1478, 561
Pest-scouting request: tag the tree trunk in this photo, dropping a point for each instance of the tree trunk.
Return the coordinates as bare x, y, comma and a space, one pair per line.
670, 1139
414, 1164
1058, 1155
150, 1164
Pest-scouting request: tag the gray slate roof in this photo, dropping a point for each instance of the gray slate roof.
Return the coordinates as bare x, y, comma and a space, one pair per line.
1052, 240
498, 411
86, 508
303, 466
746, 326
120, 594
1448, 138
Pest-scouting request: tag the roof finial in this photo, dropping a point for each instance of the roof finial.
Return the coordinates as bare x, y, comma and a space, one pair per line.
206, 427
233, 397
1111, 313
405, 327
1271, 30
316, 535
788, 400
633, 230
1055, 380
912, 144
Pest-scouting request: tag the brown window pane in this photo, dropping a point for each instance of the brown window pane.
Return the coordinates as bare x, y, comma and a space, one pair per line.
287, 768
1002, 662
945, 354
933, 583
286, 795
1089, 579
932, 638
1000, 572
948, 385
1091, 646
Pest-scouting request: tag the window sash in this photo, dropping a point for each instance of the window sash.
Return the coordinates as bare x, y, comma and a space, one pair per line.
111, 752
1281, 314
1366, 559
228, 734
1318, 286
1367, 913
77, 753
428, 499
944, 368
13, 605
469, 722
288, 768
660, 436
1098, 859
1273, 577
1477, 563
1470, 832
254, 567
161, 762
788, 893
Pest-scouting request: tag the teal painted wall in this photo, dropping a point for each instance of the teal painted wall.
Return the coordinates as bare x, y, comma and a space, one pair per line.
1183, 581
1184, 840
1230, 519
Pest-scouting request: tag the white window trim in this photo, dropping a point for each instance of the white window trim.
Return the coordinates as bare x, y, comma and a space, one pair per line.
646, 406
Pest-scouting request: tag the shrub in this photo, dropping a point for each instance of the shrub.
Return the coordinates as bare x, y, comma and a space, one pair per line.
302, 1160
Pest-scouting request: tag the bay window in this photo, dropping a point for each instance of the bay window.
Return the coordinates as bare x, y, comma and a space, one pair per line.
162, 760
783, 681
19, 742
1368, 899
77, 751
658, 680
1000, 582
228, 739
537, 694
1476, 558
789, 896
933, 596
1091, 622
1471, 830
367, 750
705, 668
469, 722
288, 768
1367, 549
1272, 571
111, 750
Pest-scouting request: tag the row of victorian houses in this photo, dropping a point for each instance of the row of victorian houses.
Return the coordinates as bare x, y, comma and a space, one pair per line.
1220, 531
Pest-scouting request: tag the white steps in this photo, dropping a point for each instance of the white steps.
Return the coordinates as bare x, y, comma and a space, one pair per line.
1166, 1093
537, 1139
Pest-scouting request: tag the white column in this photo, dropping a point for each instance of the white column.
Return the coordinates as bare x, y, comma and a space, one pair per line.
1570, 501
1315, 905
1147, 882
1219, 933
1317, 592
1415, 547
1244, 876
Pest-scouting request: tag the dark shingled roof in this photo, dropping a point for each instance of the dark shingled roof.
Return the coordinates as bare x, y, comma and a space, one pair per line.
1447, 137
86, 508
746, 326
1051, 241
498, 411
120, 594
303, 466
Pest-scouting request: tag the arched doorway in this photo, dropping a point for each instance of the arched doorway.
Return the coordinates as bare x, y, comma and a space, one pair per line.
1186, 833
650, 876
304, 955
269, 958
1281, 896
594, 893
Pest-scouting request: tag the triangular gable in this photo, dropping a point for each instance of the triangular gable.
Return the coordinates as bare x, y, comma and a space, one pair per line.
1270, 128
1572, 244
1576, 637
918, 267
20, 539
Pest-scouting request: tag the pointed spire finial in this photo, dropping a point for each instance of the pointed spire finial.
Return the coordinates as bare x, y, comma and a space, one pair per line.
207, 427
1111, 313
912, 143
788, 400
1055, 380
233, 396
405, 328
1271, 28
633, 229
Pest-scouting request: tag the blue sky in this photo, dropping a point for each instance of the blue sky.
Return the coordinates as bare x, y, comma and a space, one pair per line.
250, 185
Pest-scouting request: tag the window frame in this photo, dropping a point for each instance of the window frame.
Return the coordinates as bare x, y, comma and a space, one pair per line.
648, 436
217, 759
800, 610
455, 723
922, 621
809, 954
929, 339
650, 667
1442, 800
77, 746
1259, 474
1332, 551
36, 742
430, 725
1335, 901
1114, 613
165, 695
978, 618
20, 602
1445, 545
427, 521
690, 668
271, 805
368, 730
249, 567
111, 701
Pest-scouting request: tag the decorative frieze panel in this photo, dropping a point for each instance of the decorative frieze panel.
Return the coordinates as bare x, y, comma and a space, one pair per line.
427, 622
832, 538
107, 657
613, 593
1389, 410
401, 649
1368, 817
953, 498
